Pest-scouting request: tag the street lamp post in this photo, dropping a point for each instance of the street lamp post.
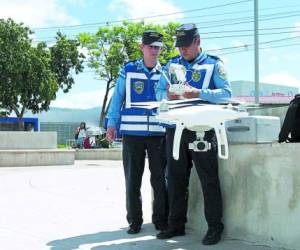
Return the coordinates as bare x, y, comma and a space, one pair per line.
256, 52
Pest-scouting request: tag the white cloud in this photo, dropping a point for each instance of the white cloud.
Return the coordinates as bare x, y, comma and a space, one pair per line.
79, 100
239, 44
210, 46
273, 55
270, 55
281, 78
295, 58
76, 2
138, 8
273, 59
297, 29
36, 13
217, 50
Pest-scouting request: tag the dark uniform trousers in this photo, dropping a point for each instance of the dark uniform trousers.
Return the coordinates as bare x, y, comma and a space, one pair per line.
178, 174
134, 152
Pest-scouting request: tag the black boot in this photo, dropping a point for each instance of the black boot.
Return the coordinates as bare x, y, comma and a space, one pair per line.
213, 235
170, 232
134, 229
161, 226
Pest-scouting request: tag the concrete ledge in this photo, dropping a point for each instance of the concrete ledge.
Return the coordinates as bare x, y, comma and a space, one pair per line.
27, 140
99, 154
261, 194
46, 157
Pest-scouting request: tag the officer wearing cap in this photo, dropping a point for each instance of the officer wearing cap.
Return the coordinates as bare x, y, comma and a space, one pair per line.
205, 79
141, 132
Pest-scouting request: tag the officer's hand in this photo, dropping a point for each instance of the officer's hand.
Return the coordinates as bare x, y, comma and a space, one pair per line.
110, 134
190, 92
172, 95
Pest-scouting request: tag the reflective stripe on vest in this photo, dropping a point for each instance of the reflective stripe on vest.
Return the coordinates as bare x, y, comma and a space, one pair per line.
142, 128
140, 123
129, 76
209, 71
136, 121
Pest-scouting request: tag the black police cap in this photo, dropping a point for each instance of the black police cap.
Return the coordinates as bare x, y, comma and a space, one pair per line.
151, 37
185, 35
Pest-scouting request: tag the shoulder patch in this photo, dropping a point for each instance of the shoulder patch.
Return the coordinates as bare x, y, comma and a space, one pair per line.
214, 57
221, 70
134, 63
130, 62
175, 59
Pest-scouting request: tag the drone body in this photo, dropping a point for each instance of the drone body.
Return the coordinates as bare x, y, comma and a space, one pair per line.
201, 118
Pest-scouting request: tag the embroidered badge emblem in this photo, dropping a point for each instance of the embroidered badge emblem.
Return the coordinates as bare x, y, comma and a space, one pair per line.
138, 87
196, 76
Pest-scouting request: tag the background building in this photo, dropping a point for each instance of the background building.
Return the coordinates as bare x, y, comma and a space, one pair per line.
269, 93
65, 121
61, 120
65, 130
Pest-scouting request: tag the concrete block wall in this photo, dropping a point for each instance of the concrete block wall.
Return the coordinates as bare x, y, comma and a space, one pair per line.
271, 111
261, 194
99, 154
18, 148
37, 157
27, 140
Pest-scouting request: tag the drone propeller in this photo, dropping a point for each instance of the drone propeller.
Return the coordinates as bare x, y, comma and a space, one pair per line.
165, 105
171, 103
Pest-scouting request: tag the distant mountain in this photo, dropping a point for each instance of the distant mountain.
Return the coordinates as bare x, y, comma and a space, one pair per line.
90, 116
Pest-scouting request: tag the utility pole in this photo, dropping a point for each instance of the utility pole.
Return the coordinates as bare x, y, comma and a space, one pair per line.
256, 52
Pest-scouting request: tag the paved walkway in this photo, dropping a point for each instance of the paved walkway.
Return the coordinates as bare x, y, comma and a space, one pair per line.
81, 207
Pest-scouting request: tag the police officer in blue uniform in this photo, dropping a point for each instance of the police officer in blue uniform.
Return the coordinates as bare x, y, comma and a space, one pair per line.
141, 132
206, 79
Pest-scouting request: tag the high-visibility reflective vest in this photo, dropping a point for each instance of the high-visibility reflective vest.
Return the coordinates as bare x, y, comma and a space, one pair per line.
140, 87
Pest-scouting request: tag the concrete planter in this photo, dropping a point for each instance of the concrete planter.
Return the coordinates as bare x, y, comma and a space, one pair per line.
37, 157
18, 148
99, 154
261, 194
27, 140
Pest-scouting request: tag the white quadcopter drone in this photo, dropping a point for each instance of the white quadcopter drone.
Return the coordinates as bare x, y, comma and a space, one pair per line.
194, 114
199, 117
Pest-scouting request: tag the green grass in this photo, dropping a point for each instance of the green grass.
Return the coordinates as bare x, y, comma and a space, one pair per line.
62, 146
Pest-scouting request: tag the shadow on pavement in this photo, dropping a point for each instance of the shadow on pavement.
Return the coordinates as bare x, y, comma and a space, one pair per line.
119, 239
146, 240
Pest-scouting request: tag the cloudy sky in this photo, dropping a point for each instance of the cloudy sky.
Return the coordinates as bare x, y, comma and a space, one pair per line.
225, 27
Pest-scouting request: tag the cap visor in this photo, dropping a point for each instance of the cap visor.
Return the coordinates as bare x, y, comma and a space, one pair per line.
183, 43
159, 44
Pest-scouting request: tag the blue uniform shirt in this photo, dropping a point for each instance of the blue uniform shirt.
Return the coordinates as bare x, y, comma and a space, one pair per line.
206, 73
114, 112
134, 84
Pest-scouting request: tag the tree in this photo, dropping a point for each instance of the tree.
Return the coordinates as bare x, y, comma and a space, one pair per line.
112, 46
30, 76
